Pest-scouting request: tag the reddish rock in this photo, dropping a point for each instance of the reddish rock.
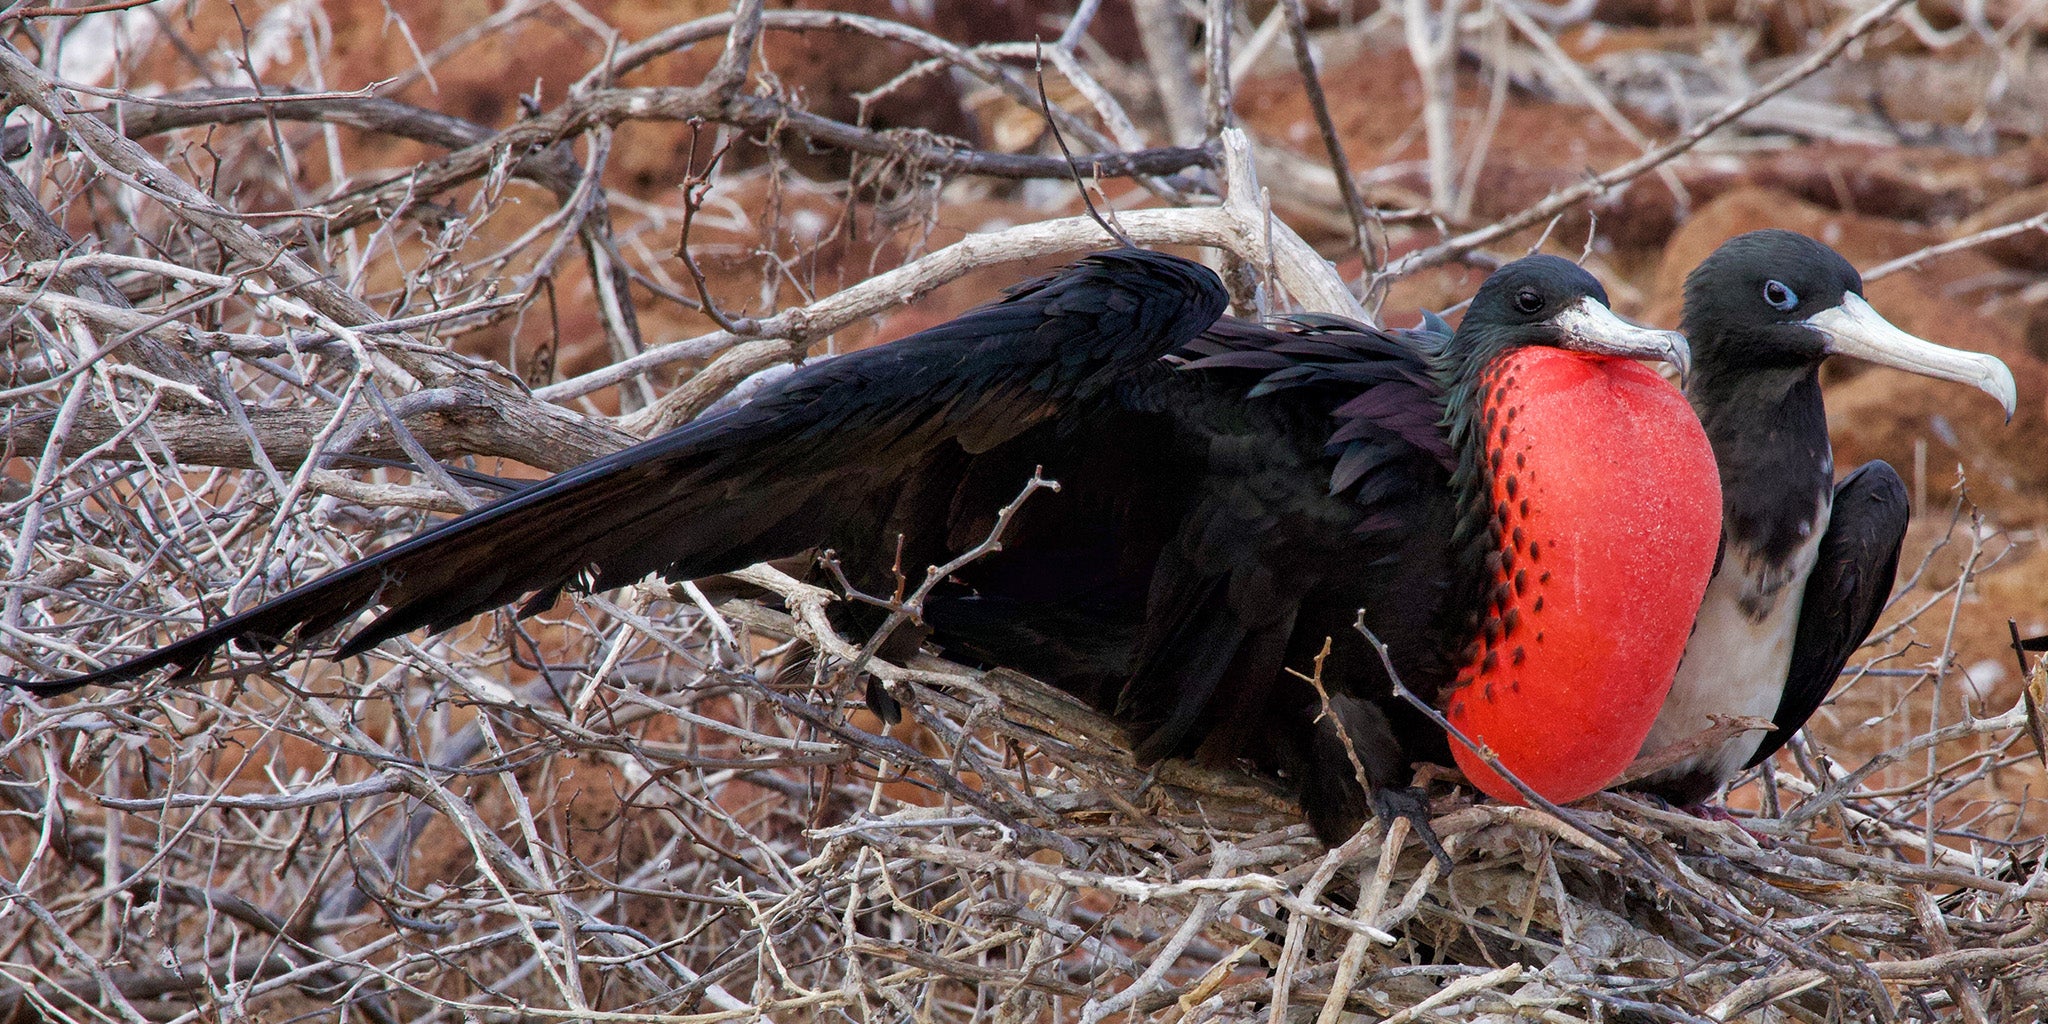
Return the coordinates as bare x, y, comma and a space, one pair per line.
2027, 250
1782, 28
1897, 182
1594, 40
2037, 330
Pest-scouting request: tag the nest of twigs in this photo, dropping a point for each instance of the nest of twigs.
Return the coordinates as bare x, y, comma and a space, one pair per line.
668, 804
678, 818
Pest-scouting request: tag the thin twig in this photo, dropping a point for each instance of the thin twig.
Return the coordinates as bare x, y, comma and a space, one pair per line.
1912, 260
1363, 221
1454, 248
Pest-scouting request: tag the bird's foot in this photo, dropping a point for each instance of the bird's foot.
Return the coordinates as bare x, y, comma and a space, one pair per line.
883, 703
1712, 810
1409, 803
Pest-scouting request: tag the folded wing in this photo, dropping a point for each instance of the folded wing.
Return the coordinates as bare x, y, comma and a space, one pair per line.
770, 478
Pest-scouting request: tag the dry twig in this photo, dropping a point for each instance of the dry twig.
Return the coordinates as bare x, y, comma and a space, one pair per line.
629, 809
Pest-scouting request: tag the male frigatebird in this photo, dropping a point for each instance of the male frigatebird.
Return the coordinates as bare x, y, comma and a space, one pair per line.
1526, 516
1807, 563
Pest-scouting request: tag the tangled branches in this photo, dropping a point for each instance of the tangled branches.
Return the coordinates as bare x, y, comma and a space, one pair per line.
255, 329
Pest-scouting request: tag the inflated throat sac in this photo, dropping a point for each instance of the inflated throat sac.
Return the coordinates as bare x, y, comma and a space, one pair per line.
1606, 519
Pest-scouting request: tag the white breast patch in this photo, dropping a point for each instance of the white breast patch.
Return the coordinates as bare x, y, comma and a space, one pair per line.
1735, 663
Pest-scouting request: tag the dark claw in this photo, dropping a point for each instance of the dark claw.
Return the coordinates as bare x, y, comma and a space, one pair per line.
883, 703
1410, 803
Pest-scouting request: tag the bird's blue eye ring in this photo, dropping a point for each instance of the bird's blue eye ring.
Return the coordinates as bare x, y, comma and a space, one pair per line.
1780, 297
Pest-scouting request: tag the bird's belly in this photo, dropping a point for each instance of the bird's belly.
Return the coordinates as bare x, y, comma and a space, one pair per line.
1735, 662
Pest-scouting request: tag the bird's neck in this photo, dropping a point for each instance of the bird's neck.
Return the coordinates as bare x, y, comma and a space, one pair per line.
1471, 414
1769, 430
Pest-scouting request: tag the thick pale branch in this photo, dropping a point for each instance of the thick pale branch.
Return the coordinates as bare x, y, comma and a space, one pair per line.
552, 168
1241, 227
211, 439
487, 425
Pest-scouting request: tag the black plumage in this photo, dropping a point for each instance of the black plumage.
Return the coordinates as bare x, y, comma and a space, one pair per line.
1223, 514
1845, 593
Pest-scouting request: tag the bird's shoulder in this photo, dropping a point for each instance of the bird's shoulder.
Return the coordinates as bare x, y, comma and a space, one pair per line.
1375, 389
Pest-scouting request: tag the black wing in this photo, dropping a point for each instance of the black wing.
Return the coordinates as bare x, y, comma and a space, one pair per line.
1384, 397
1327, 480
768, 479
1859, 559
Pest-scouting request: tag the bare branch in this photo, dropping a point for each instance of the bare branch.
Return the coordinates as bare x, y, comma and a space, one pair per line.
1363, 221
647, 807
1912, 260
1551, 205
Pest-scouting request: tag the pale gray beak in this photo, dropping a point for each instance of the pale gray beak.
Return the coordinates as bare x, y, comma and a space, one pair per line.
1855, 329
1589, 326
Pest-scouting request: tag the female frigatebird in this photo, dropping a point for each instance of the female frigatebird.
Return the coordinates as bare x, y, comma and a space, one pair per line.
1807, 563
1527, 517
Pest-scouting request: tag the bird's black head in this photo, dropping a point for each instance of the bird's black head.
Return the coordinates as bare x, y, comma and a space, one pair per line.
1530, 289
1748, 303
1545, 300
1775, 303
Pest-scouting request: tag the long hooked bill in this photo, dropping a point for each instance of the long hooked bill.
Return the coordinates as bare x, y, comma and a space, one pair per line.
1855, 329
1589, 326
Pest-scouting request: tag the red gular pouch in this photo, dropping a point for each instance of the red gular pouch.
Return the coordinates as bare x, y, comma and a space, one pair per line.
1607, 517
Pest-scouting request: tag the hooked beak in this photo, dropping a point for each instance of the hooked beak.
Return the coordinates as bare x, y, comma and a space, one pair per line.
1855, 329
1589, 326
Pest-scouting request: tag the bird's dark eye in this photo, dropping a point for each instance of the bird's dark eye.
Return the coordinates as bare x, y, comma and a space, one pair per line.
1780, 297
1527, 301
